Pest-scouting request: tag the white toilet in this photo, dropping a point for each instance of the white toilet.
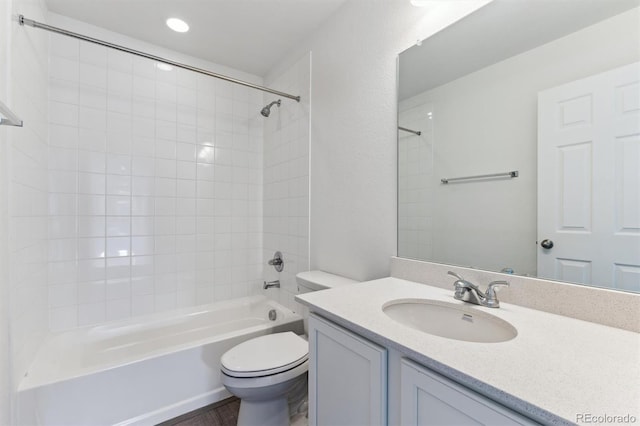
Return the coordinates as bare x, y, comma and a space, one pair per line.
264, 371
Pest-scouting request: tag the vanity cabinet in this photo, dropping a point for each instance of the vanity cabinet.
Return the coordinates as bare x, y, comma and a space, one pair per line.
347, 377
428, 398
353, 381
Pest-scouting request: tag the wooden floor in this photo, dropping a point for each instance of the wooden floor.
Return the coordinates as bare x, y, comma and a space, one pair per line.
223, 413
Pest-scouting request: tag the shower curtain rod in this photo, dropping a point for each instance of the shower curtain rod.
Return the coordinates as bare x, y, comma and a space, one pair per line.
415, 132
24, 21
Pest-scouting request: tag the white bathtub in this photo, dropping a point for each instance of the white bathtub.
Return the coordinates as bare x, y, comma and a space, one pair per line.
146, 370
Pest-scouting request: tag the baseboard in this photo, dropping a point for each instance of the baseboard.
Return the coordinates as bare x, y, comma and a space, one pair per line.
171, 411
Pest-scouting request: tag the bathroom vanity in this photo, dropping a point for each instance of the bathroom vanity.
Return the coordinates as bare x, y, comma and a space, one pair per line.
368, 368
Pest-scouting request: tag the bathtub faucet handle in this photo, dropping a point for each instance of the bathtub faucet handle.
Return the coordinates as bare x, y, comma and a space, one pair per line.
269, 284
277, 261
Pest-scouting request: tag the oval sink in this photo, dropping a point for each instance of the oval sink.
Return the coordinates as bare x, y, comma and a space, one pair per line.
450, 320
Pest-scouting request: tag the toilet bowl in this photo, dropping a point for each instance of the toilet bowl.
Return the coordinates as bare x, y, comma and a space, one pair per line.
261, 372
264, 371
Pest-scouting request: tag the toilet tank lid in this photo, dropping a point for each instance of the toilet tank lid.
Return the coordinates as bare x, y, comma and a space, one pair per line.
320, 280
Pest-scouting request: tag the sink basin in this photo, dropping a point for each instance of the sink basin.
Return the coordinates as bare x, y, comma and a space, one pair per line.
450, 320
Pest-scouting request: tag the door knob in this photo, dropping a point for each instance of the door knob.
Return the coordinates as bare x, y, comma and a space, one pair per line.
546, 244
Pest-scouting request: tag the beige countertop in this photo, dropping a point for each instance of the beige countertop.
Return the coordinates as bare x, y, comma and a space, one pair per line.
554, 369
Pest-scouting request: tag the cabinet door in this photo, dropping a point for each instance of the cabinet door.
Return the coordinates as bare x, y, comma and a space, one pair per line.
347, 377
430, 399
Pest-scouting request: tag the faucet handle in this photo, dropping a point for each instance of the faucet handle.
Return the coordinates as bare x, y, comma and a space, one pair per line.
490, 294
494, 284
458, 285
459, 277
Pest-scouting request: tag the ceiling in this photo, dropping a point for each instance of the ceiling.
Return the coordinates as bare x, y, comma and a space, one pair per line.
248, 35
495, 32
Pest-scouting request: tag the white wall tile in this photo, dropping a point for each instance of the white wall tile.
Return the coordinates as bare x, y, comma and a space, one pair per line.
63, 159
118, 205
63, 114
286, 177
142, 185
64, 69
118, 309
118, 269
91, 313
118, 247
91, 162
91, 54
90, 205
63, 318
142, 206
118, 185
91, 292
93, 75
143, 245
64, 91
63, 136
120, 82
91, 119
92, 140
91, 270
90, 248
91, 183
91, 226
142, 107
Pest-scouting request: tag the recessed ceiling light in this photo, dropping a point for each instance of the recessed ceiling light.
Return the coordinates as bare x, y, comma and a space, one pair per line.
177, 25
164, 67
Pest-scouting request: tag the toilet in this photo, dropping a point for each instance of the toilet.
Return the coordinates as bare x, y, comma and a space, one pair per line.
264, 372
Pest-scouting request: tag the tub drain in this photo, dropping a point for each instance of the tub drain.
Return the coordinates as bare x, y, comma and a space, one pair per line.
273, 315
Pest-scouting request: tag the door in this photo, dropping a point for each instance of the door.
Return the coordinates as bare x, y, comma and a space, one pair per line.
347, 377
589, 180
429, 399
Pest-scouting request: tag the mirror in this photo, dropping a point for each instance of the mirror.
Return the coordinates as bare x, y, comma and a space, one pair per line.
519, 142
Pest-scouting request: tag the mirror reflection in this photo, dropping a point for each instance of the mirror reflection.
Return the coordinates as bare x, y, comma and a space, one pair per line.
519, 142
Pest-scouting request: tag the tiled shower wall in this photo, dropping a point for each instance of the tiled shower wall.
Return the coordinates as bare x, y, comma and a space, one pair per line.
155, 187
286, 180
25, 166
416, 181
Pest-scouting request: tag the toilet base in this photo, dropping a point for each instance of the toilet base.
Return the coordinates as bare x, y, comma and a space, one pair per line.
273, 412
264, 401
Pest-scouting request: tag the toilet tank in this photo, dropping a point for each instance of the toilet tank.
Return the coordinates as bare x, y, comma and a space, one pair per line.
319, 280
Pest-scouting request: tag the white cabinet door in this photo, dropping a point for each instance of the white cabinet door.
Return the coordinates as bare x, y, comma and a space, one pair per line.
589, 180
430, 399
347, 377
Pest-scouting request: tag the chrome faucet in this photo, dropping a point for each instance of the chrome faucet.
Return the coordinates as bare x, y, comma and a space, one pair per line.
269, 284
470, 293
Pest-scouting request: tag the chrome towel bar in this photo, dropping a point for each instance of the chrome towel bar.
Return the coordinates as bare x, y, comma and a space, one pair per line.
512, 174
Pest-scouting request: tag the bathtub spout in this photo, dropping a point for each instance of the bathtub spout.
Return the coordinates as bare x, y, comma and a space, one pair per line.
269, 284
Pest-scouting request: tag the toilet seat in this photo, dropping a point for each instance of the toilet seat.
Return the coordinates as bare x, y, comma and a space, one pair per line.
265, 356
257, 383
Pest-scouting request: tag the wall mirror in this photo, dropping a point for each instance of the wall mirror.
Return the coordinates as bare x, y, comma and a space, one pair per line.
519, 142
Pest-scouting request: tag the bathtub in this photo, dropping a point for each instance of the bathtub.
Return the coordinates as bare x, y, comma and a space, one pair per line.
145, 370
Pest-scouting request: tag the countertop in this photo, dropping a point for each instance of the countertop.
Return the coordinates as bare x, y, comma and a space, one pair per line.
554, 369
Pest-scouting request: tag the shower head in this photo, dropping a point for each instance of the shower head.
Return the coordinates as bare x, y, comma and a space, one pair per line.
267, 110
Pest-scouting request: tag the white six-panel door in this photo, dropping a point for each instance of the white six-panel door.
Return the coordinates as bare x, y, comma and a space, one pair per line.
589, 180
